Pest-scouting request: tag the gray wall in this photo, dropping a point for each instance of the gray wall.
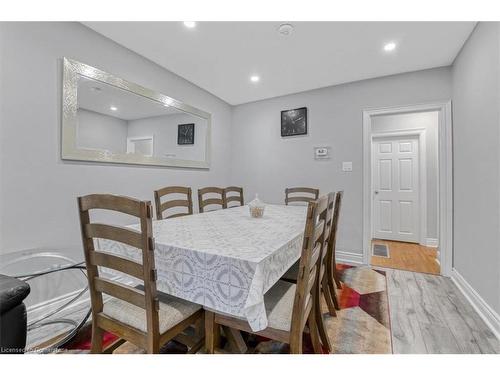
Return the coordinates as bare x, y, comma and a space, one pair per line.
265, 163
101, 132
430, 122
38, 190
476, 146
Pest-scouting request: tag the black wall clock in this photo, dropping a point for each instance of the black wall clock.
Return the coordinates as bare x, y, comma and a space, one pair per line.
294, 122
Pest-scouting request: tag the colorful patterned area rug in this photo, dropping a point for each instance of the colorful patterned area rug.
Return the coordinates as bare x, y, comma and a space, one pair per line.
362, 325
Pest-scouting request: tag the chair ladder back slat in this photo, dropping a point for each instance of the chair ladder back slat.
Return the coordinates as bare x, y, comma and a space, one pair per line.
114, 233
309, 194
311, 280
203, 202
315, 254
162, 207
174, 203
318, 231
111, 202
176, 215
117, 263
120, 291
236, 197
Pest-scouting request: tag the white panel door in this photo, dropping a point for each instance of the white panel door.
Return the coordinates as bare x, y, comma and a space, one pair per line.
395, 184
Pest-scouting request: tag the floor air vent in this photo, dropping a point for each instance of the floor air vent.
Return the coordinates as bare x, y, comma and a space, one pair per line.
380, 250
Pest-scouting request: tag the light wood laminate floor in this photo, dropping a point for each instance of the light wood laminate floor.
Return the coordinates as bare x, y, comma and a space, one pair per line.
408, 256
430, 315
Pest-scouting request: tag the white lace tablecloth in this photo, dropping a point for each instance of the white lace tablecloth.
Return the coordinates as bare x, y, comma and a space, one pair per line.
224, 260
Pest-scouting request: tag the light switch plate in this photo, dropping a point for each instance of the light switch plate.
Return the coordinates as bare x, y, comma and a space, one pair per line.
347, 166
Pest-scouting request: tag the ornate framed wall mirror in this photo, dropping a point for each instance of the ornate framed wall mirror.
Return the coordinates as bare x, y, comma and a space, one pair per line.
108, 119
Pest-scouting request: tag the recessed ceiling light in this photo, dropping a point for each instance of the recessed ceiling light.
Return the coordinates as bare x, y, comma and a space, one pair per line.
190, 24
113, 108
255, 78
285, 29
391, 46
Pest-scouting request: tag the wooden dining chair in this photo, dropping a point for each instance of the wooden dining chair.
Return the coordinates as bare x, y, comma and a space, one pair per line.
211, 201
173, 203
333, 278
233, 194
300, 194
327, 292
136, 315
323, 289
329, 281
289, 307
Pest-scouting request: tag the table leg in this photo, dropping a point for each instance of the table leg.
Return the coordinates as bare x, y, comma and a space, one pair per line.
211, 332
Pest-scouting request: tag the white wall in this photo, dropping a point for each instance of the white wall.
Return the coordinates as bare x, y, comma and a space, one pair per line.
265, 163
101, 132
430, 122
38, 190
164, 130
476, 162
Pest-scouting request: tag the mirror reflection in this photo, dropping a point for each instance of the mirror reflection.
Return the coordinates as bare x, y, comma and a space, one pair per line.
116, 121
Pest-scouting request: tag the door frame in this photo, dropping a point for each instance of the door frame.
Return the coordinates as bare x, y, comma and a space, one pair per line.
420, 134
445, 179
131, 144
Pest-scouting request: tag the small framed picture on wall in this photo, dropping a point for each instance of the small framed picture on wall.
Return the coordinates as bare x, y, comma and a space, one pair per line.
185, 134
294, 122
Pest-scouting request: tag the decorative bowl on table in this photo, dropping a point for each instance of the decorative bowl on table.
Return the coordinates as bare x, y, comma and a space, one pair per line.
256, 207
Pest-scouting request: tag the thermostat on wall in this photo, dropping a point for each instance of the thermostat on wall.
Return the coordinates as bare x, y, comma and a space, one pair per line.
322, 152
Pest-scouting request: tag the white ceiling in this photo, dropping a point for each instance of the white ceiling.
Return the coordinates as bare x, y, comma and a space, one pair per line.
221, 56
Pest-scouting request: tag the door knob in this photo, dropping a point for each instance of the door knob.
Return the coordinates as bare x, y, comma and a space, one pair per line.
376, 191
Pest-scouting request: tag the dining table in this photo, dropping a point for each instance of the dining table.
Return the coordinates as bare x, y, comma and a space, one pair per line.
225, 260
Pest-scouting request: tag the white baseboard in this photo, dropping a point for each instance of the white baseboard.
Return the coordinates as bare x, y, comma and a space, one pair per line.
431, 242
347, 257
490, 317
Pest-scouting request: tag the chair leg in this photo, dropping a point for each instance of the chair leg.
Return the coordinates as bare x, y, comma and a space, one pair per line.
211, 332
153, 345
313, 332
333, 284
97, 334
337, 281
336, 275
330, 303
296, 344
320, 323
323, 334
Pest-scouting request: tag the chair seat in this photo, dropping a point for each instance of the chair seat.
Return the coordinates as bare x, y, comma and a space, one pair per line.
173, 310
292, 272
279, 305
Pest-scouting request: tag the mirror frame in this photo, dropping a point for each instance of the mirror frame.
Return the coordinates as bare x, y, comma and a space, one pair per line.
69, 150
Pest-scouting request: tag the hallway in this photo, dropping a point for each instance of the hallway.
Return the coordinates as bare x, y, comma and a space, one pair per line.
407, 256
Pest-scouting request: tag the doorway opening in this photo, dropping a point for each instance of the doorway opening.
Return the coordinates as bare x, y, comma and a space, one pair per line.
407, 188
